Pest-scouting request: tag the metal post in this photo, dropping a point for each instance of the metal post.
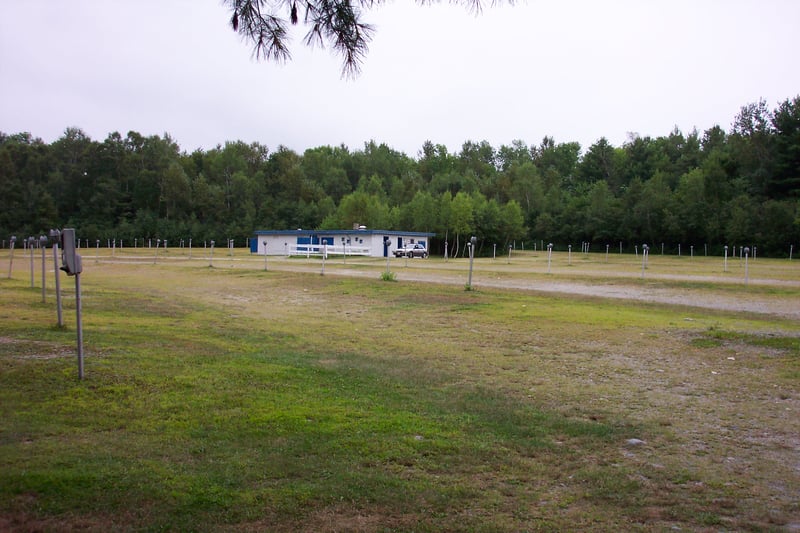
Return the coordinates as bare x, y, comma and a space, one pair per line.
725, 264
58, 280
549, 255
746, 273
645, 248
30, 249
387, 242
473, 240
11, 259
211, 255
79, 323
265, 256
73, 266
43, 246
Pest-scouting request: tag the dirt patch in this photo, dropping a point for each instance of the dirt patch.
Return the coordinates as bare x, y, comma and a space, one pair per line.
22, 522
626, 287
28, 349
338, 518
671, 296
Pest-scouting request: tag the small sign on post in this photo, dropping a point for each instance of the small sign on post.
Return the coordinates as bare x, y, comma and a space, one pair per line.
71, 264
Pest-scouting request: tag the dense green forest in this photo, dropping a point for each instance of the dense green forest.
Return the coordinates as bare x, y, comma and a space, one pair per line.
720, 187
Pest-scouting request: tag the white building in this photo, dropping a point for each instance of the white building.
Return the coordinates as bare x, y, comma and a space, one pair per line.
362, 241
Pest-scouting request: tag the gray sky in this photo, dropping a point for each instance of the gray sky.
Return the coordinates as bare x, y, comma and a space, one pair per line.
576, 70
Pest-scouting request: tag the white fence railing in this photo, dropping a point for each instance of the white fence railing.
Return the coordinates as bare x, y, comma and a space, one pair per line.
323, 249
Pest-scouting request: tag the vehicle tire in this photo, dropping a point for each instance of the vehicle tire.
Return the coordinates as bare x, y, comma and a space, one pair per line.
425, 255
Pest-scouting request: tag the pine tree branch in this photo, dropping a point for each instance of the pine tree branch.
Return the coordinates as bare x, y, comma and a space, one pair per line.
335, 23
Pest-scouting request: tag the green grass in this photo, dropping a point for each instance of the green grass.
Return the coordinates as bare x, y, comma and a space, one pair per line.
196, 417
388, 276
250, 400
789, 344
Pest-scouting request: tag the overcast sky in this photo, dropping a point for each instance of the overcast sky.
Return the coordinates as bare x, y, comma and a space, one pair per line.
576, 70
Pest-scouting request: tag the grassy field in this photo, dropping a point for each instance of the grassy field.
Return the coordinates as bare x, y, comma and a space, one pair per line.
234, 398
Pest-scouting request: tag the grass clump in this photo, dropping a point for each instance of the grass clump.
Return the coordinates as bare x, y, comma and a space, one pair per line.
388, 276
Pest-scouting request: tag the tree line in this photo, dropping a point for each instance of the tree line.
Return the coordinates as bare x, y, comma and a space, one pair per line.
737, 187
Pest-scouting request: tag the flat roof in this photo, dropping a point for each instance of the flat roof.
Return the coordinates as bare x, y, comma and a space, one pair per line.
304, 232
